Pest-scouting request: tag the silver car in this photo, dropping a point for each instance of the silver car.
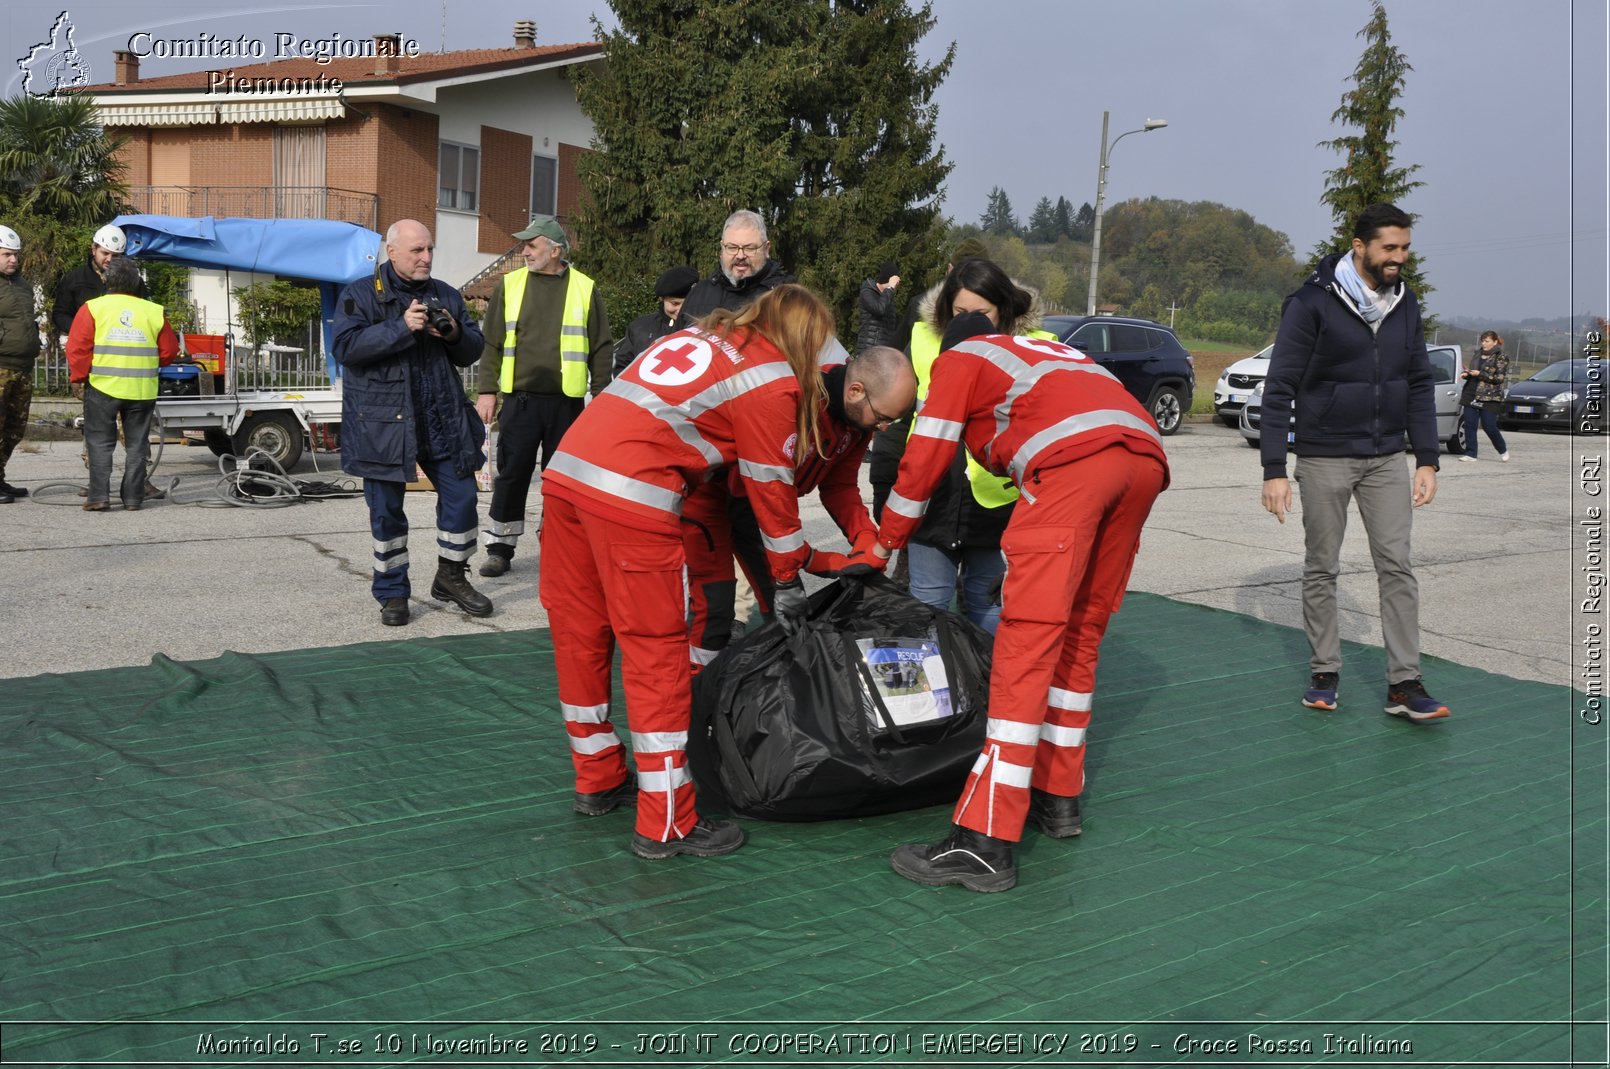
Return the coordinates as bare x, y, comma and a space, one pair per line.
1447, 365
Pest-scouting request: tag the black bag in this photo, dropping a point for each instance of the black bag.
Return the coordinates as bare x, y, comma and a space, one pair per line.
878, 704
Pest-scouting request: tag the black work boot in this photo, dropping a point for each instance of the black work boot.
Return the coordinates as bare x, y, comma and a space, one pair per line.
394, 612
12, 491
1056, 814
976, 861
708, 838
451, 584
601, 802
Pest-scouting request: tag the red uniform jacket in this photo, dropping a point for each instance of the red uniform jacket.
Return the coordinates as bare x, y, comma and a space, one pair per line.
1019, 404
694, 403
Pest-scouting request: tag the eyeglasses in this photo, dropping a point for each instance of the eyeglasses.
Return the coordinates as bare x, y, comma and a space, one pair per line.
883, 422
747, 250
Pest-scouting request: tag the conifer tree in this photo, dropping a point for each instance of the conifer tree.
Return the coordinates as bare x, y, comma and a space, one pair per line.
1369, 173
1064, 218
815, 113
998, 218
1043, 221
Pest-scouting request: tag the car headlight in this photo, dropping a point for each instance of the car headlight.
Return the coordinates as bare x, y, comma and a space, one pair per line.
1562, 399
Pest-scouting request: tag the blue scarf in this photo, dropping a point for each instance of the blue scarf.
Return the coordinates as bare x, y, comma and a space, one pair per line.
1363, 297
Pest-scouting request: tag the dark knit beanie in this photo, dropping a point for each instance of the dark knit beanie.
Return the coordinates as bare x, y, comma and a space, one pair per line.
676, 282
886, 271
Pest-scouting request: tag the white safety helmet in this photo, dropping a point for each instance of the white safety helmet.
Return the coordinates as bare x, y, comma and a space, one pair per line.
9, 239
111, 238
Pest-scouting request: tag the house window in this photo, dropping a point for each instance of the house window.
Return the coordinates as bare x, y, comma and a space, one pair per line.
544, 185
458, 180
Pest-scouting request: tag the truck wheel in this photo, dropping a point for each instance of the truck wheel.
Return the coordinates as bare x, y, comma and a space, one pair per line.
1168, 409
275, 433
218, 442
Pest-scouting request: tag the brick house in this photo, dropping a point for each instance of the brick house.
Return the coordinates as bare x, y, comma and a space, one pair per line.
472, 143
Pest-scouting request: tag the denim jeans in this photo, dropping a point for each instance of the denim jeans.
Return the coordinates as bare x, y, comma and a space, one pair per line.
101, 412
933, 579
1488, 420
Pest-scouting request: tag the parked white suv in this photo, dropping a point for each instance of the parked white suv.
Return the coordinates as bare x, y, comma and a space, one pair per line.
1237, 384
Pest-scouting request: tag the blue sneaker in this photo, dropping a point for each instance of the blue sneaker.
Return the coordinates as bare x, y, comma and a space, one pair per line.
1321, 692
1409, 700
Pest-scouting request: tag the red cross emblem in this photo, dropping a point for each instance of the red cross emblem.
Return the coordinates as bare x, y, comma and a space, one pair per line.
676, 361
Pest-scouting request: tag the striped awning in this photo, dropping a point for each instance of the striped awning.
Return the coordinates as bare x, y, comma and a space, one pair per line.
227, 109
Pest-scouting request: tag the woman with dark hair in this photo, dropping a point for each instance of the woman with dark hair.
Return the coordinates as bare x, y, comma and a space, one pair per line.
960, 536
744, 391
1484, 389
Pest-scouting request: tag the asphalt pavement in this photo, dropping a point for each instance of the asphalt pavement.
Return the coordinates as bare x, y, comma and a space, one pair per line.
81, 590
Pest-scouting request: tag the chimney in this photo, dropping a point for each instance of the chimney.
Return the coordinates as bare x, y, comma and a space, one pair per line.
127, 67
388, 53
525, 34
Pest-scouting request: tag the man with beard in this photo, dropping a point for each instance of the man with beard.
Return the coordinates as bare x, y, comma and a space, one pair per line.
1351, 357
19, 346
747, 269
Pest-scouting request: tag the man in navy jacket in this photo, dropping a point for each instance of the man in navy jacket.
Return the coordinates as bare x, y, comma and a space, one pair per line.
398, 338
1350, 360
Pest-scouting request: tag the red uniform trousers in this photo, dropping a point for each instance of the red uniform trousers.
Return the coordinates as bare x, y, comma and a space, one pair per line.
1069, 549
603, 582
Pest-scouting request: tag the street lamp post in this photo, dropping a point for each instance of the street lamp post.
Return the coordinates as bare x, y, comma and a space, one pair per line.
1101, 194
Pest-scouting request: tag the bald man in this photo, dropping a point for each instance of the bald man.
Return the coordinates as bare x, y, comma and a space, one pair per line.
400, 338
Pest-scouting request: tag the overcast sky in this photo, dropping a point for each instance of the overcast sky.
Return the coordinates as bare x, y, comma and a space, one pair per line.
1505, 109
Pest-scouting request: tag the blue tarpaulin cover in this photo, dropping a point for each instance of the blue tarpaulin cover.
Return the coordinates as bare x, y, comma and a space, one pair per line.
321, 250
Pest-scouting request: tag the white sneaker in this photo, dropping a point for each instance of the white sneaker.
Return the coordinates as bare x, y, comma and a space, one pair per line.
1467, 458
1504, 457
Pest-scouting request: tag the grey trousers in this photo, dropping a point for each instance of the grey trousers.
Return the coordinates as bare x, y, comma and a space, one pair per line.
1384, 491
101, 413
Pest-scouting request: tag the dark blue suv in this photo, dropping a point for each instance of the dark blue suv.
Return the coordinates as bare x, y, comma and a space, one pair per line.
1145, 356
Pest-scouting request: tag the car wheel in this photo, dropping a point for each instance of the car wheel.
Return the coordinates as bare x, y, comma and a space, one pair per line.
1253, 442
1167, 408
1456, 444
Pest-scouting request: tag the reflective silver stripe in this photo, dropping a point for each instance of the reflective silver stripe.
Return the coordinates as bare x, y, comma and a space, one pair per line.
1072, 426
766, 473
584, 714
395, 543
1029, 376
904, 506
456, 538
455, 553
785, 544
113, 348
659, 741
675, 417
591, 744
1057, 735
700, 655
1010, 775
666, 781
391, 564
124, 372
1012, 731
946, 430
1071, 700
500, 527
616, 484
570, 328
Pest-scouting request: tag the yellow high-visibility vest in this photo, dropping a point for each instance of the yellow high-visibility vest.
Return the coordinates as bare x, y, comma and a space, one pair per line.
990, 490
572, 331
124, 360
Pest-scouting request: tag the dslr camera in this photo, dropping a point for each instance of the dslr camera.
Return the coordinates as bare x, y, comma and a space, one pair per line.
437, 316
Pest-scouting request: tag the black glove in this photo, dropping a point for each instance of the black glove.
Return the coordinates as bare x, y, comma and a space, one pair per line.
789, 604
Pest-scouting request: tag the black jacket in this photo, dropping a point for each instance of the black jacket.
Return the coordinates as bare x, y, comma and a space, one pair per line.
717, 292
642, 332
1356, 392
878, 325
80, 284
